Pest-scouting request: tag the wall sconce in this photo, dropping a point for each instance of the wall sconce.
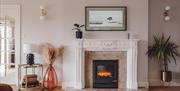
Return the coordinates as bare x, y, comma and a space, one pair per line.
43, 12
166, 13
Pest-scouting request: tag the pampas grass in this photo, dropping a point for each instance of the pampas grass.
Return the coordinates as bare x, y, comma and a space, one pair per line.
50, 52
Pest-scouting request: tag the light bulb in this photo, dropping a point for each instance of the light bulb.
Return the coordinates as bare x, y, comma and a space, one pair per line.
167, 18
167, 7
42, 7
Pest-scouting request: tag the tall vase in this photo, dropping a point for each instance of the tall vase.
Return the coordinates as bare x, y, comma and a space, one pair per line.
50, 80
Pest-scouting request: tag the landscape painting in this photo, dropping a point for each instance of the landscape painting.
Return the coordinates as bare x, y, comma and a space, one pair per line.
106, 18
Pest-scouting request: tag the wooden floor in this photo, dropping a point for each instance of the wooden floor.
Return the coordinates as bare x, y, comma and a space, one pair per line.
151, 89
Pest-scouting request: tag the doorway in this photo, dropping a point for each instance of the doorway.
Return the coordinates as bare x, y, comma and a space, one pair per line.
9, 43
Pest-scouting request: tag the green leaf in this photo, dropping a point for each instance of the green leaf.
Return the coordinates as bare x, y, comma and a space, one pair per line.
163, 49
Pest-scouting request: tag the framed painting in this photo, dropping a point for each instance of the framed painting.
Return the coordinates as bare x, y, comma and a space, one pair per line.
106, 18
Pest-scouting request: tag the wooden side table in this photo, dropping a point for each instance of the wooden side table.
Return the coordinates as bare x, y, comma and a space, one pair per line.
26, 67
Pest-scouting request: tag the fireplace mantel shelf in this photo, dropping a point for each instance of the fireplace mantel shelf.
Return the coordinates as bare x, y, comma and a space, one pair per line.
129, 45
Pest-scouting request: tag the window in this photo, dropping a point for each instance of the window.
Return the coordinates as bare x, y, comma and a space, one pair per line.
7, 45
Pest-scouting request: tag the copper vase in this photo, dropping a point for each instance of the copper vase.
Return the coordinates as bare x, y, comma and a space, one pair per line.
50, 80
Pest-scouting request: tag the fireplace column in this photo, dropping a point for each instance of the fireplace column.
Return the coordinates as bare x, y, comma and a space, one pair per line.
131, 82
79, 58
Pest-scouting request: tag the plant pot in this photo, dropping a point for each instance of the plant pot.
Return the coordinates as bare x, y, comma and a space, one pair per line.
79, 34
166, 76
50, 80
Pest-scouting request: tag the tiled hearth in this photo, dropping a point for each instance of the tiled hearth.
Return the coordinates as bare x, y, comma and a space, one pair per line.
124, 50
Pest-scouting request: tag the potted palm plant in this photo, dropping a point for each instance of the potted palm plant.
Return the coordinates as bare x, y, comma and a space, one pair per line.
164, 51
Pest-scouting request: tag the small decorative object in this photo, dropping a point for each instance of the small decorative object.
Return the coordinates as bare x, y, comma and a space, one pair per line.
163, 50
166, 13
132, 35
30, 58
30, 80
29, 49
79, 33
128, 35
106, 18
50, 53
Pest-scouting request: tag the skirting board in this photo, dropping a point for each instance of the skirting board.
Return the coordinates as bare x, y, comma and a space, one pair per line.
143, 84
66, 85
174, 82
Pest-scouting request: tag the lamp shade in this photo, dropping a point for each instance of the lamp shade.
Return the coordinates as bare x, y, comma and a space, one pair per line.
167, 7
29, 48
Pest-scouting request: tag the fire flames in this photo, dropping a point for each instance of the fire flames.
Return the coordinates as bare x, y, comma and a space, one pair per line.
104, 74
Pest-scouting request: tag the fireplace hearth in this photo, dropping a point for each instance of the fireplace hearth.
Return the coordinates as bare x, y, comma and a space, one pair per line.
105, 74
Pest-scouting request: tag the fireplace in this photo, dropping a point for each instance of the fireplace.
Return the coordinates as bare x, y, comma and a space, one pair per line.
106, 45
105, 74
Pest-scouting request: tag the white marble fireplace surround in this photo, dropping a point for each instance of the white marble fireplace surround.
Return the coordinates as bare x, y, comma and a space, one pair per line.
129, 45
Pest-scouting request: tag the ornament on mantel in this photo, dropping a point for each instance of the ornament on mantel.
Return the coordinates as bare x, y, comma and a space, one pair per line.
79, 33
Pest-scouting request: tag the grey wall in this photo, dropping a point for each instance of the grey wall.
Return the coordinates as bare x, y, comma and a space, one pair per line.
62, 14
157, 26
